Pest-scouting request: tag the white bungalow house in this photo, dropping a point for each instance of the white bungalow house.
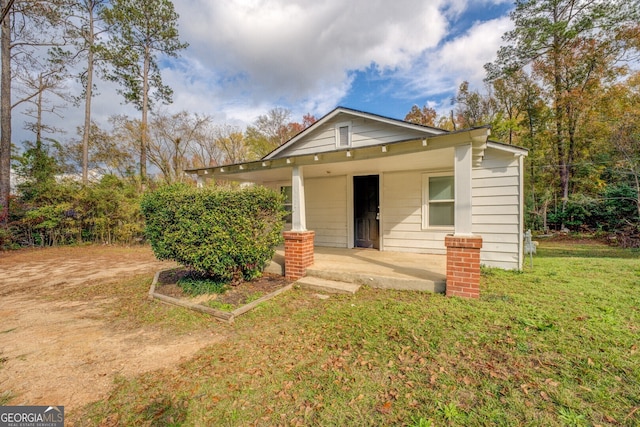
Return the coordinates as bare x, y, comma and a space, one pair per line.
357, 179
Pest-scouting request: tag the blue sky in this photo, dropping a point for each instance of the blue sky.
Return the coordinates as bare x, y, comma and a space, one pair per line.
246, 57
311, 56
393, 95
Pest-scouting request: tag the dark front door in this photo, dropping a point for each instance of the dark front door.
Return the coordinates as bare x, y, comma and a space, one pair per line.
366, 200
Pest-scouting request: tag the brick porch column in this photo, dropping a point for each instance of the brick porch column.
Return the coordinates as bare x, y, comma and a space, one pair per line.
298, 253
463, 266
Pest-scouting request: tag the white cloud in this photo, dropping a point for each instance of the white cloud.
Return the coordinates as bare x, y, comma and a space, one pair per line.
279, 51
466, 56
247, 56
441, 70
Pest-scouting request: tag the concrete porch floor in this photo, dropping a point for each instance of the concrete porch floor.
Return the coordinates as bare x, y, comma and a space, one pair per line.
388, 270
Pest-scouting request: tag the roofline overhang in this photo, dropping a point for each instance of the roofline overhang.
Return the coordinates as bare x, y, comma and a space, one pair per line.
514, 149
477, 137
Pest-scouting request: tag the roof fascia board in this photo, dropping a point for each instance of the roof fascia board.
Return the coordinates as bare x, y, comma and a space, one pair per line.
349, 154
514, 149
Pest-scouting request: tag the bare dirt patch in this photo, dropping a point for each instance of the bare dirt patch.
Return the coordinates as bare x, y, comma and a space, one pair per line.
234, 296
67, 351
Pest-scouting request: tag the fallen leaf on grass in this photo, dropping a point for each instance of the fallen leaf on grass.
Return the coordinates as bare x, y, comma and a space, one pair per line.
385, 408
632, 412
356, 399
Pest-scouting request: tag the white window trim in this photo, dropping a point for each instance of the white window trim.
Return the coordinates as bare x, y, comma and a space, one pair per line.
277, 186
290, 203
337, 130
425, 202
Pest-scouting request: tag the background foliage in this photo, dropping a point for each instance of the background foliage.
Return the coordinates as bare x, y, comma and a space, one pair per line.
51, 209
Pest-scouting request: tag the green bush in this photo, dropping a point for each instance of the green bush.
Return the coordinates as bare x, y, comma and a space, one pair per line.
226, 234
613, 210
107, 211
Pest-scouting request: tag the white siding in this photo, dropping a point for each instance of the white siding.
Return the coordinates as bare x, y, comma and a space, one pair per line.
496, 209
401, 212
326, 205
364, 133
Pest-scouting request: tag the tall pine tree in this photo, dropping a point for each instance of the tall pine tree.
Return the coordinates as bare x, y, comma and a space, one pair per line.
141, 30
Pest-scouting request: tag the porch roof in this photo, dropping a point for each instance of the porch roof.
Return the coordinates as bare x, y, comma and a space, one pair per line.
435, 152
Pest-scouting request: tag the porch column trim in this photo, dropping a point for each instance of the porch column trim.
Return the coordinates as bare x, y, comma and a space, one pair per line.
298, 253
462, 190
298, 214
463, 266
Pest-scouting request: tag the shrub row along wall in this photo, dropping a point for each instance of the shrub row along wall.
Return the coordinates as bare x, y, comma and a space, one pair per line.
226, 234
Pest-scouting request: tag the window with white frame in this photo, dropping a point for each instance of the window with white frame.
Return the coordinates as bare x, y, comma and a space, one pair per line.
285, 190
438, 208
343, 134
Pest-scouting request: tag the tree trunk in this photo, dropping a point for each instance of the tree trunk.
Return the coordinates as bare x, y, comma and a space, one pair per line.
532, 153
571, 127
5, 116
637, 180
145, 113
87, 102
39, 114
559, 114
176, 166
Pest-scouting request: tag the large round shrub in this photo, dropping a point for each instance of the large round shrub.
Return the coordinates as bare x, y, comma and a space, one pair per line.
226, 234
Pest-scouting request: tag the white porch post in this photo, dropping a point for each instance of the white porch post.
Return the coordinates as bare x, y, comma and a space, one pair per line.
462, 192
463, 248
201, 181
298, 243
299, 217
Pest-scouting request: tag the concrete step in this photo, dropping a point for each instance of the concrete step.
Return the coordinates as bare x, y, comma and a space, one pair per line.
325, 285
381, 282
275, 267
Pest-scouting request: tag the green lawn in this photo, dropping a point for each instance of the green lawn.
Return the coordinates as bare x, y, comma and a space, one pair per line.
554, 345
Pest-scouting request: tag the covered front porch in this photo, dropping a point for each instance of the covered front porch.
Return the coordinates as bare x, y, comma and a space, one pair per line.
333, 212
378, 269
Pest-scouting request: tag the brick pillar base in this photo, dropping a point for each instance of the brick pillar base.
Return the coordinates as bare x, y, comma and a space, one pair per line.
298, 253
463, 266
